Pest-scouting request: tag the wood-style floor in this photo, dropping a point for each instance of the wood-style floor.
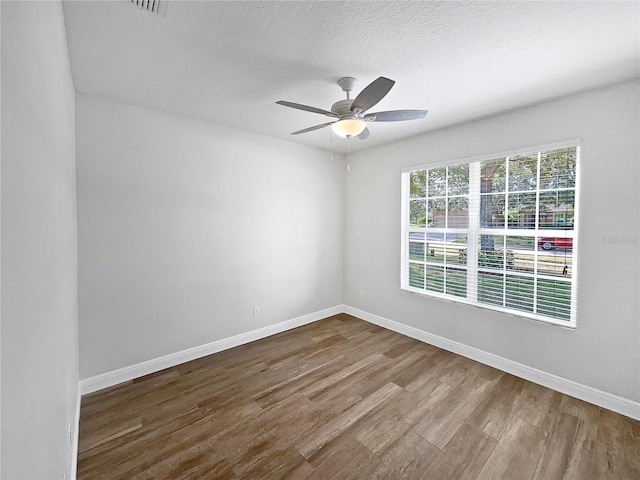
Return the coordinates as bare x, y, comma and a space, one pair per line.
342, 398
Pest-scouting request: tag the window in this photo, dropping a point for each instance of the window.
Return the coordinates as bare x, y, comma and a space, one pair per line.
495, 232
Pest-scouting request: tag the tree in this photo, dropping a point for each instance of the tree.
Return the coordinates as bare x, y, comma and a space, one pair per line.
492, 176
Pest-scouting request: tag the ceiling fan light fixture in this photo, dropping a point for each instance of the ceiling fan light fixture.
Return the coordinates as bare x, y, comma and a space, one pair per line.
348, 127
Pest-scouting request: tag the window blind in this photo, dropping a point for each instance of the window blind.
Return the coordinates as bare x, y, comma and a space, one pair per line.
499, 233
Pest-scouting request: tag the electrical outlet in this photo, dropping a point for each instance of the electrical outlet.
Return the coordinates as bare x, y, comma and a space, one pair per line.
361, 295
256, 311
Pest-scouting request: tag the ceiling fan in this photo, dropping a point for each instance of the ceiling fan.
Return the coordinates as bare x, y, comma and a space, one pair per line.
351, 114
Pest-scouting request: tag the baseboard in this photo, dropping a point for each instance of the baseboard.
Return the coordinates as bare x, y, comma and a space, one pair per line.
75, 438
606, 400
109, 379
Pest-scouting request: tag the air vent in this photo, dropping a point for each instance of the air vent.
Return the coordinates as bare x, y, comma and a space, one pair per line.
157, 7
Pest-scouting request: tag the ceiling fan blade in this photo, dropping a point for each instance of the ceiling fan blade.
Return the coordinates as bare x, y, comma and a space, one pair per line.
395, 115
372, 94
311, 129
307, 108
364, 135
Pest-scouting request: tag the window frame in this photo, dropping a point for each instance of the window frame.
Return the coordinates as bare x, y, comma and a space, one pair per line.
474, 229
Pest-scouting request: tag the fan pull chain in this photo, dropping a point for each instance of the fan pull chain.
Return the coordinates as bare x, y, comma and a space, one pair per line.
331, 142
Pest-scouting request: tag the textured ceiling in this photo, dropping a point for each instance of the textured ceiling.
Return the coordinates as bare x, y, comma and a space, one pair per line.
228, 62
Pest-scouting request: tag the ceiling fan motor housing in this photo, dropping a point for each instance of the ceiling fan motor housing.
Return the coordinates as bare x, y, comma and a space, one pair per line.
343, 108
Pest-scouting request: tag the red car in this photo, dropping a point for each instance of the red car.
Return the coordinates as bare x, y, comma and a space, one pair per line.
549, 243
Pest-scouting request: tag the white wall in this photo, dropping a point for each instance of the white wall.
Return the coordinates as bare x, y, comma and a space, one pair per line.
183, 226
603, 352
39, 248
